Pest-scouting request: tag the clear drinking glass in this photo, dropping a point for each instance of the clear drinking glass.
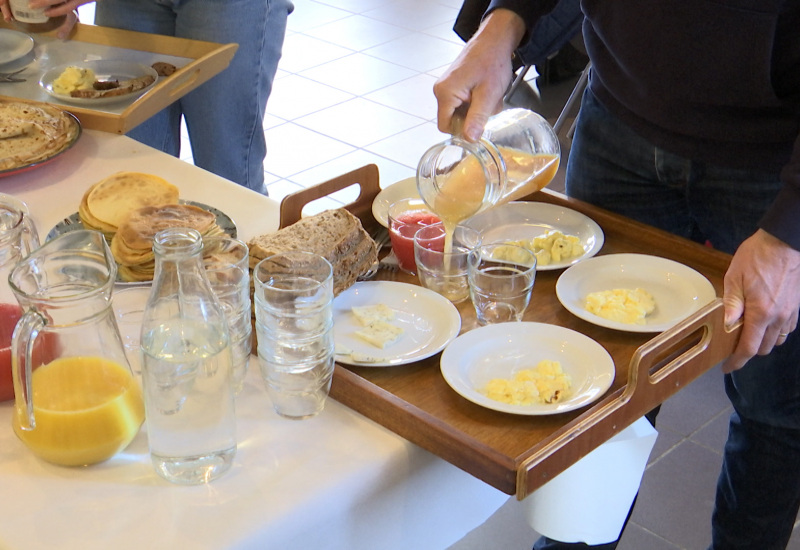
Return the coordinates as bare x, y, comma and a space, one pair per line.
501, 278
226, 261
186, 373
129, 304
294, 327
444, 272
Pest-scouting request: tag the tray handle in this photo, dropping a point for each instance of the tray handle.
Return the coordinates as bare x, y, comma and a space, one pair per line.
366, 177
658, 369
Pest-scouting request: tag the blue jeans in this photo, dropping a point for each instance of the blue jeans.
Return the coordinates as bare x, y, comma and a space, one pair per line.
758, 491
224, 116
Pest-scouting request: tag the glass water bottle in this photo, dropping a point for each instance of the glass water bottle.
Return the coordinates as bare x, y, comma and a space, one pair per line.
186, 371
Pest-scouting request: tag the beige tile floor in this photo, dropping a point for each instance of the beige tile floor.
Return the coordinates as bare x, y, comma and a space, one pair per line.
354, 87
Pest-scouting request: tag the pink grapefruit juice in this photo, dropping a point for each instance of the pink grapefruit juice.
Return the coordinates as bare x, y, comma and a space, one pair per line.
401, 232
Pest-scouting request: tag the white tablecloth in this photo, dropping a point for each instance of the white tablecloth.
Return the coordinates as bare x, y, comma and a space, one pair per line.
335, 481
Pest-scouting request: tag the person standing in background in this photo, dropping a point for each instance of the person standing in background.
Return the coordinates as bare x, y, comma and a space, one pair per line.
691, 123
224, 116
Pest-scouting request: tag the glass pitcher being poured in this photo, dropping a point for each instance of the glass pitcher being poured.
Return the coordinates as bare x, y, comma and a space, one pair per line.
517, 154
77, 402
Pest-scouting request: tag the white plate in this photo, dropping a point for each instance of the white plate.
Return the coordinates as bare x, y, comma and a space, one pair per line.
428, 320
499, 351
526, 220
403, 189
106, 69
678, 290
14, 45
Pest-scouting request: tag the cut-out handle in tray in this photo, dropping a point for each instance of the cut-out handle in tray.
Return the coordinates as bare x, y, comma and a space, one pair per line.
658, 369
366, 177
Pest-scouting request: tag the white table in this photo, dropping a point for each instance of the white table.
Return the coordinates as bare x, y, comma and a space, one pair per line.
335, 481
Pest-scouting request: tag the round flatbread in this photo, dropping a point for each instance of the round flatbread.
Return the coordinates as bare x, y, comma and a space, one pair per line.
142, 224
33, 133
107, 203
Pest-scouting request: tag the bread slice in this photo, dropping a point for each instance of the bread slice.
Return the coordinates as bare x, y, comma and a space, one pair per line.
336, 235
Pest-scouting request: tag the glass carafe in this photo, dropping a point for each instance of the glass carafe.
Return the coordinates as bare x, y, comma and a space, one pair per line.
18, 237
517, 154
187, 366
77, 402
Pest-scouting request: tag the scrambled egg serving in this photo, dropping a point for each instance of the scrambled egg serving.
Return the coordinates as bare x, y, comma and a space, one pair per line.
73, 78
552, 247
622, 305
545, 383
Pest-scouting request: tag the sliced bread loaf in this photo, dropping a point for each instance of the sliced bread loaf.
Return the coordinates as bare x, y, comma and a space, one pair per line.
336, 235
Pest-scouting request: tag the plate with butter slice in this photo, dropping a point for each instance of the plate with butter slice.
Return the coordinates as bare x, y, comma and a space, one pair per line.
427, 322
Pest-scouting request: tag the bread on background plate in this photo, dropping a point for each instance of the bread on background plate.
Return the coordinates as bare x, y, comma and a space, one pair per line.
336, 235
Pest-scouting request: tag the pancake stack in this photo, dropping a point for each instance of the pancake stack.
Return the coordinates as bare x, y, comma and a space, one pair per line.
33, 133
107, 203
132, 244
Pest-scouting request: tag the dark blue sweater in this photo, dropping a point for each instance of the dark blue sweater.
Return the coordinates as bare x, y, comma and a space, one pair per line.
713, 80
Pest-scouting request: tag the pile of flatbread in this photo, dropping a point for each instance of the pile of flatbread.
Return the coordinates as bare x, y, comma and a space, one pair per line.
106, 204
33, 133
129, 208
132, 244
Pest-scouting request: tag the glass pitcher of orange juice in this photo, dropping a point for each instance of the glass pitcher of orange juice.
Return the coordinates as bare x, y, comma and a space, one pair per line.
517, 154
77, 402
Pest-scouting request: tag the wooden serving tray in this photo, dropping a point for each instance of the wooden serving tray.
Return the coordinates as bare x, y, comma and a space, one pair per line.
518, 454
199, 61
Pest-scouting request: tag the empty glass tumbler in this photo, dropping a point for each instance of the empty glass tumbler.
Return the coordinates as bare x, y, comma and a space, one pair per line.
294, 327
226, 261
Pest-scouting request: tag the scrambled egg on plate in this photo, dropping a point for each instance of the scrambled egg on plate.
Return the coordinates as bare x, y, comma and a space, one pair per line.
545, 383
73, 78
622, 305
552, 247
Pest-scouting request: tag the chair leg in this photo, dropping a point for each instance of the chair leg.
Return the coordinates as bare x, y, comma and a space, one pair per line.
517, 81
574, 98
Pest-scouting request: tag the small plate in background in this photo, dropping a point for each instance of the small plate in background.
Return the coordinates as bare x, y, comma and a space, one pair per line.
403, 189
529, 219
106, 69
14, 45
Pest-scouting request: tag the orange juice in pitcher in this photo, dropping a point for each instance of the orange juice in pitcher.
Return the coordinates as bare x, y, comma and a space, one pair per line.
77, 402
517, 154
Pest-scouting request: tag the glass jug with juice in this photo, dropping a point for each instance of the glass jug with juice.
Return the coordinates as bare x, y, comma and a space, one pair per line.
517, 154
77, 402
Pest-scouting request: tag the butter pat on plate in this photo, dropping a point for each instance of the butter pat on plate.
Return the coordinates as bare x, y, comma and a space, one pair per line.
380, 333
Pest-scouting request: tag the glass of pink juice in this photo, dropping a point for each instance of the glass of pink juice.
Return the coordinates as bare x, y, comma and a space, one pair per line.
406, 217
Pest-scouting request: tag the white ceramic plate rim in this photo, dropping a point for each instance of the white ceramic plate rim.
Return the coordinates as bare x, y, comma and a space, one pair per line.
429, 321
403, 189
499, 351
529, 219
678, 289
102, 68
14, 45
